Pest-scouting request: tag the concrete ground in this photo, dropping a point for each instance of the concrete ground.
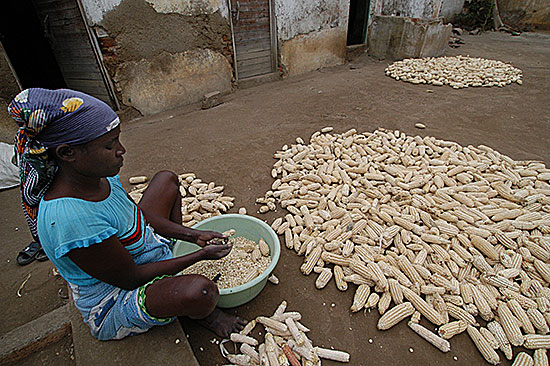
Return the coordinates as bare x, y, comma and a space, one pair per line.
232, 145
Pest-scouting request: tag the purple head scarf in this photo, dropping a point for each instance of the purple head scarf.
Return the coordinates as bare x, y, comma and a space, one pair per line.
46, 119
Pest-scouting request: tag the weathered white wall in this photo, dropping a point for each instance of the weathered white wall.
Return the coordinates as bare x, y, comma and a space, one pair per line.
302, 17
450, 8
311, 34
183, 79
417, 8
96, 9
162, 54
190, 7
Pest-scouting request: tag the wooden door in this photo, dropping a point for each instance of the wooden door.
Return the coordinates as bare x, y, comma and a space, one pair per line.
75, 48
254, 38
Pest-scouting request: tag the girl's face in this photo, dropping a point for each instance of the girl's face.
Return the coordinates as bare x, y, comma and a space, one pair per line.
101, 157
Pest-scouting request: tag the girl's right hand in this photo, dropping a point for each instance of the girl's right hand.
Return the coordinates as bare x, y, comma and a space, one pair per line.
216, 251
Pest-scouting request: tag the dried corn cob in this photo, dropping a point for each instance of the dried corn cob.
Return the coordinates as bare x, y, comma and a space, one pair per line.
341, 283
240, 338
534, 341
360, 298
384, 302
428, 311
538, 321
510, 325
440, 343
296, 334
540, 357
248, 350
460, 314
395, 315
523, 359
324, 277
500, 336
372, 300
241, 360
330, 354
521, 315
449, 330
486, 333
395, 291
483, 346
292, 359
271, 323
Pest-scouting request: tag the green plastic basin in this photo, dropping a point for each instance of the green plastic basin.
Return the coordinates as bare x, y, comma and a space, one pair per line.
248, 227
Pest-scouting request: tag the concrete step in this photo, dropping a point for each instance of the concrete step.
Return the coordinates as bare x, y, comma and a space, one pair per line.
258, 80
35, 335
161, 345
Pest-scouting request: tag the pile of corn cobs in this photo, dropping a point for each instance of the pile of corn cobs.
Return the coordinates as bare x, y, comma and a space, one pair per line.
458, 72
439, 230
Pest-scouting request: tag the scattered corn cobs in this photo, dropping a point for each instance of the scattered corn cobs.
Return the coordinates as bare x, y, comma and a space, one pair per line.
458, 72
285, 343
443, 231
200, 200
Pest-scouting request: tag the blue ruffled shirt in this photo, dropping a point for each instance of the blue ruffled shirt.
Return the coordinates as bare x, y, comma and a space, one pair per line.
68, 223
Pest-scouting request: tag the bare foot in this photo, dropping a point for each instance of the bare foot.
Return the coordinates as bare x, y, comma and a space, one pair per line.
222, 324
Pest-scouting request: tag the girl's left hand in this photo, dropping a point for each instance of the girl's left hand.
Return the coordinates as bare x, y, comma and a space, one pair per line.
204, 236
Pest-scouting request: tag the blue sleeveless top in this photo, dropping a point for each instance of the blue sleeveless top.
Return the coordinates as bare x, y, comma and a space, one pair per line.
67, 223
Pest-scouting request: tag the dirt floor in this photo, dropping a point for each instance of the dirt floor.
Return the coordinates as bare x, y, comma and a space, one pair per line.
232, 145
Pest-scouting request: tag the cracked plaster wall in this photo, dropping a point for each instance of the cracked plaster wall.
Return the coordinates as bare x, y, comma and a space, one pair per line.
311, 34
162, 54
96, 9
446, 9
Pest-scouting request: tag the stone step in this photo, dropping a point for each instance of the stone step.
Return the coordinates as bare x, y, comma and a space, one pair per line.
34, 335
258, 80
161, 345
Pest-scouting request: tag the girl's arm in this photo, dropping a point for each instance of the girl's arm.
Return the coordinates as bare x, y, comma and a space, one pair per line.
110, 262
170, 229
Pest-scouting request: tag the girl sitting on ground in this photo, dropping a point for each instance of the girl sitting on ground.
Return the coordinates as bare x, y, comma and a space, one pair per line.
113, 253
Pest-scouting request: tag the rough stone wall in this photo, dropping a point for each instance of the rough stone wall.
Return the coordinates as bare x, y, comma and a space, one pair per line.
533, 14
148, 40
311, 34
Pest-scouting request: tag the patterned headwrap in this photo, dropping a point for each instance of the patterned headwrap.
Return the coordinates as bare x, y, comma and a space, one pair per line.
46, 119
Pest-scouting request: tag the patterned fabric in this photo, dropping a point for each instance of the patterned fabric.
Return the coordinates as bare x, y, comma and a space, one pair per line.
46, 119
114, 313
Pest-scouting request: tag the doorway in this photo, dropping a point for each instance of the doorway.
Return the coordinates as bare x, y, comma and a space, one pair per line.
253, 36
50, 45
27, 48
358, 22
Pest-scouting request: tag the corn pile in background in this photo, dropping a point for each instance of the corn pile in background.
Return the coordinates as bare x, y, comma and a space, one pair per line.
458, 72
